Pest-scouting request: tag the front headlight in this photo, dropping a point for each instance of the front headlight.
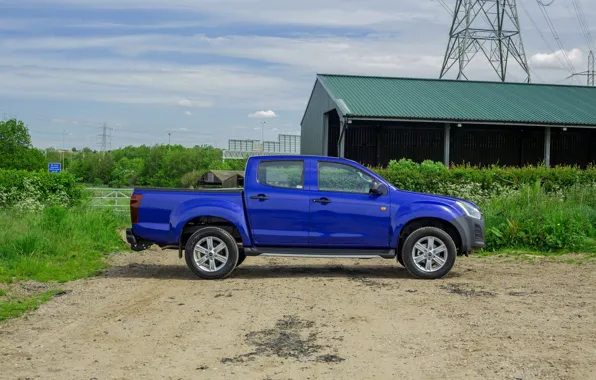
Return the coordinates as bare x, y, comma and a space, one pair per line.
470, 210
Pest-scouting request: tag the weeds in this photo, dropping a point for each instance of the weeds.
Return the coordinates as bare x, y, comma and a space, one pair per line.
57, 244
533, 219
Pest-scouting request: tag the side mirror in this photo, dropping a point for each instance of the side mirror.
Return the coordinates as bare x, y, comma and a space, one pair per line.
378, 189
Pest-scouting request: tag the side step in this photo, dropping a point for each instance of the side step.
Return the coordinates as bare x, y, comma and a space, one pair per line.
321, 253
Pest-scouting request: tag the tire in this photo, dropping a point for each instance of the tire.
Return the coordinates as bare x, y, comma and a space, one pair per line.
207, 265
441, 242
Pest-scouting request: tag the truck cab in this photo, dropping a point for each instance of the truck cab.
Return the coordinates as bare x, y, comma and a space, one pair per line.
307, 206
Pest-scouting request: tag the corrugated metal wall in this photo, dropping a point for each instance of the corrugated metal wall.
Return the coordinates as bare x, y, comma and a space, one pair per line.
314, 135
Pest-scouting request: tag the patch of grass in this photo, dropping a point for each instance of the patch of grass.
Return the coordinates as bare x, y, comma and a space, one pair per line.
17, 307
57, 244
531, 219
2, 292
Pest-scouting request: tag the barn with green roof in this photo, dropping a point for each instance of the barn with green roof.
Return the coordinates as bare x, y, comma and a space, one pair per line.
373, 120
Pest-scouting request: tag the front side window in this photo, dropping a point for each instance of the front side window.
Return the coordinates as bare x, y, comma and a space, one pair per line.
285, 174
343, 178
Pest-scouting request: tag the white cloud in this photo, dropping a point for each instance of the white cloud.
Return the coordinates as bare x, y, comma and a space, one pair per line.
239, 127
557, 59
263, 115
188, 113
185, 103
183, 129
274, 129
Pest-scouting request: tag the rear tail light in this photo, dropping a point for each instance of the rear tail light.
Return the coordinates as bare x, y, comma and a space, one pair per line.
135, 203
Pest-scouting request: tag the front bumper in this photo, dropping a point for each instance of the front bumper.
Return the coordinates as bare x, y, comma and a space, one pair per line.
472, 232
136, 243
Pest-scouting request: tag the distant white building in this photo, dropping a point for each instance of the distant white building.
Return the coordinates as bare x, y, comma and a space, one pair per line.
286, 144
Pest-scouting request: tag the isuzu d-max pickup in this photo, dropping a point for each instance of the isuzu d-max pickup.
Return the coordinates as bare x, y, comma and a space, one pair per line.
306, 206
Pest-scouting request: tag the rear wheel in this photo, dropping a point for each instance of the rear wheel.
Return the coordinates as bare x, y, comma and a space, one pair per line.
211, 253
429, 253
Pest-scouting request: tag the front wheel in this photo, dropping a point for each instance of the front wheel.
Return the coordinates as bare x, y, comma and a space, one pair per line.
211, 253
429, 253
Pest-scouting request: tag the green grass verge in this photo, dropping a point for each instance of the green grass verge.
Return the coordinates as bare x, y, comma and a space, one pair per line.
53, 245
57, 244
16, 307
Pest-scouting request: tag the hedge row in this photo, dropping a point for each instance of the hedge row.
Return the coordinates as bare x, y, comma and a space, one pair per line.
34, 190
482, 184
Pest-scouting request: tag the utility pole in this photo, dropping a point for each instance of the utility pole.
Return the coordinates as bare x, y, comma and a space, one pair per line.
490, 27
263, 135
591, 73
64, 131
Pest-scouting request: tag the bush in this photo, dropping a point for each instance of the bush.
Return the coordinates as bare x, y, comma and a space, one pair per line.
35, 190
191, 179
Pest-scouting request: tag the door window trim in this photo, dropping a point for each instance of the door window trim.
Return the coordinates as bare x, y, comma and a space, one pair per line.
281, 187
338, 191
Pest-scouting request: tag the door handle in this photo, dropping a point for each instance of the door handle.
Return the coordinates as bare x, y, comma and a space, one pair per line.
322, 200
261, 197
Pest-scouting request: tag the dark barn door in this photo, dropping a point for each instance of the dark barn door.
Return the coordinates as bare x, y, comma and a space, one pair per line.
573, 147
503, 145
376, 144
333, 136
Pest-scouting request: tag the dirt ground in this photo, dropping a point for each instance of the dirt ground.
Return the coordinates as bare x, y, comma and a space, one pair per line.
148, 317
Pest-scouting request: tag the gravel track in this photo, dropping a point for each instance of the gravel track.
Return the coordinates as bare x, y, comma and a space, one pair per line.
148, 317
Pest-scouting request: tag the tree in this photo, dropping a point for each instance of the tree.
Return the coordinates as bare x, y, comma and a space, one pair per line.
127, 171
16, 151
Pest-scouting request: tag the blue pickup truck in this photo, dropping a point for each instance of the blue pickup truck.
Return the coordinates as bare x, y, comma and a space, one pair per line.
306, 206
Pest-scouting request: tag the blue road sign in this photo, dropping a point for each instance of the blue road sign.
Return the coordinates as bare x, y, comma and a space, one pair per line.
55, 167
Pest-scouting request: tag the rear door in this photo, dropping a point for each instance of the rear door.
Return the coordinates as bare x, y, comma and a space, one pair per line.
277, 203
343, 212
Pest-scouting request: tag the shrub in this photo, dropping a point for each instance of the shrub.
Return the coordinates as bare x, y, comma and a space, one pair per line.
35, 190
482, 184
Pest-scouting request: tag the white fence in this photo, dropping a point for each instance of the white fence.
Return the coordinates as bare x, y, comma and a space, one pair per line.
118, 199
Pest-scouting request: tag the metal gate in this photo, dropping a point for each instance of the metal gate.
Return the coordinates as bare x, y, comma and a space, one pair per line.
117, 199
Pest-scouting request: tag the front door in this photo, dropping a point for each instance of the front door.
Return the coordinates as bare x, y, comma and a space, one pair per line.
278, 205
343, 213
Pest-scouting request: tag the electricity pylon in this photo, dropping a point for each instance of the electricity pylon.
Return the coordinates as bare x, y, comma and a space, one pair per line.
490, 27
591, 73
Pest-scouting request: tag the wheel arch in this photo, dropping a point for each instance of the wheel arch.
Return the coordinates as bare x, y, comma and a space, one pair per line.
430, 221
227, 221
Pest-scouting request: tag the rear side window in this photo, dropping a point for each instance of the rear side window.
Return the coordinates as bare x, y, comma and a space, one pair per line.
284, 174
342, 178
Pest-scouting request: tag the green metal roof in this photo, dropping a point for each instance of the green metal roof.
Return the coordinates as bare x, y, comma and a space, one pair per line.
451, 100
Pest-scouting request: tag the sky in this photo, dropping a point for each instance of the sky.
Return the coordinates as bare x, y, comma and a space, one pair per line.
205, 71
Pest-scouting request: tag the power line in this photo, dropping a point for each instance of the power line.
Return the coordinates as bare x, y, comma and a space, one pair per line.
529, 15
553, 31
446, 7
583, 24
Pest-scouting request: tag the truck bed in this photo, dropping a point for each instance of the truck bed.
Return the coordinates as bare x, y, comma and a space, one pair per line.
163, 210
194, 191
